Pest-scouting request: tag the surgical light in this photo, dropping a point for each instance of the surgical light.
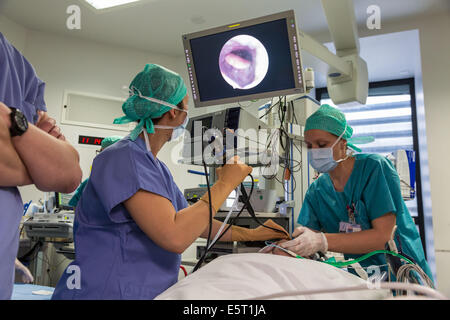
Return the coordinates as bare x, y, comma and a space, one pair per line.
104, 4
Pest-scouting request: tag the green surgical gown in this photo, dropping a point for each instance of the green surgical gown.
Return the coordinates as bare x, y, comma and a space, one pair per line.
374, 188
77, 195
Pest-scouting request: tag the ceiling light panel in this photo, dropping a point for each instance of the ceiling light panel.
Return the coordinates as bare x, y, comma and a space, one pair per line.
104, 4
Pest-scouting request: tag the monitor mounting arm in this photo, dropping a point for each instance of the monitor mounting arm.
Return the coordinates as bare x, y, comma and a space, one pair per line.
347, 78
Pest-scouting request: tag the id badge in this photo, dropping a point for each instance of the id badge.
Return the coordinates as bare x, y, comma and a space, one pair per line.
345, 227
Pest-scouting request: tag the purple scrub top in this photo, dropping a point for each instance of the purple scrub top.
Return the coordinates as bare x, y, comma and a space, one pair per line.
115, 259
22, 89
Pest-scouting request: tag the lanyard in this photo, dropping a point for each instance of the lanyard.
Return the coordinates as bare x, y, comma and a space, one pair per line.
351, 211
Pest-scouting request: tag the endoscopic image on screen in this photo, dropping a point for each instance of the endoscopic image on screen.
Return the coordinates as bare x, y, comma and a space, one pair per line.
243, 62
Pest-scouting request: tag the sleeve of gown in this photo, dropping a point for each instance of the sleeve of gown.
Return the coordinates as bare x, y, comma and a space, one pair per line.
382, 193
77, 195
117, 175
19, 73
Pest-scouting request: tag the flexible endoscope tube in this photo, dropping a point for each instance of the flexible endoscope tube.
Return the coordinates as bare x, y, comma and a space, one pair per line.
272, 244
366, 256
344, 263
235, 202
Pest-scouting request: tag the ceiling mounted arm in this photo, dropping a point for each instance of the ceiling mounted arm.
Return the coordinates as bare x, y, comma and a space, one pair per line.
342, 25
347, 78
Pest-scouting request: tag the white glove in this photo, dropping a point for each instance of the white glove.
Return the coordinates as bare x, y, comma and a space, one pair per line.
27, 277
306, 242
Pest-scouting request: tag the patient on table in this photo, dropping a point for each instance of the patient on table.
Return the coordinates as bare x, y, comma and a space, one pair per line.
252, 275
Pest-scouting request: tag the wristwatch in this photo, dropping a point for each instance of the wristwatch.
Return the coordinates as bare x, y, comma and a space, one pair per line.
19, 123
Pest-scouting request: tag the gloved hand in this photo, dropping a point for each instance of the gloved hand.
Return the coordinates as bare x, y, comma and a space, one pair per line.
229, 177
306, 242
260, 233
26, 275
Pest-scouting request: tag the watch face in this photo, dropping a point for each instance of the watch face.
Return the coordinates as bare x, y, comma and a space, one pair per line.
21, 121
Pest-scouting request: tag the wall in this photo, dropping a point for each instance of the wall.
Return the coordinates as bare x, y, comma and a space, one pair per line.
424, 164
15, 33
435, 45
435, 50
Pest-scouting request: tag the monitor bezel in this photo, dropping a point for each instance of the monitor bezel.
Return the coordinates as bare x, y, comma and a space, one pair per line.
294, 45
61, 206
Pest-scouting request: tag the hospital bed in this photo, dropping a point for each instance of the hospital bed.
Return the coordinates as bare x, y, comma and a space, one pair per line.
265, 276
248, 276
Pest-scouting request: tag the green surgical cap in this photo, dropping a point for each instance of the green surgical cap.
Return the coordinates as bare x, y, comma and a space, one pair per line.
109, 141
155, 82
333, 120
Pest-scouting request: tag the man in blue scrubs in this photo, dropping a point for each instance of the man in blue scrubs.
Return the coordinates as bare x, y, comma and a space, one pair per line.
34, 151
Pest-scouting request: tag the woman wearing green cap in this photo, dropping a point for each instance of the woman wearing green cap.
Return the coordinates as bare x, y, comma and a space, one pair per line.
132, 222
355, 204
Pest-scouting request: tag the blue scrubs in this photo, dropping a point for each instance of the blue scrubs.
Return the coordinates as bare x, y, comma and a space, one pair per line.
22, 89
116, 259
374, 188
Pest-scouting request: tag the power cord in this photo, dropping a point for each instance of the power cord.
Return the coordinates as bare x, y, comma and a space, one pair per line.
209, 194
200, 262
210, 246
251, 211
287, 163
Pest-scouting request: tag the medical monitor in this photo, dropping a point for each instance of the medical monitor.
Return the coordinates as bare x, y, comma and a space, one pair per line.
62, 201
253, 59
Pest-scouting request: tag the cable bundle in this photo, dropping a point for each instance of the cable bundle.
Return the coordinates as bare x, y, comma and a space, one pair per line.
412, 273
287, 163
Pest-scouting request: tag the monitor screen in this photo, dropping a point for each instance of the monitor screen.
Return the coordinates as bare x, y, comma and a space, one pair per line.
254, 59
62, 200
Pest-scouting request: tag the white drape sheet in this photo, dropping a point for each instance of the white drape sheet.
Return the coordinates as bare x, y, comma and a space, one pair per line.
251, 275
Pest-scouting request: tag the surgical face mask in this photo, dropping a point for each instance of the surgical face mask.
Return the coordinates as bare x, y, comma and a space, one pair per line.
322, 160
177, 131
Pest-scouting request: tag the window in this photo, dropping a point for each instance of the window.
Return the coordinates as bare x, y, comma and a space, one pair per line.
389, 116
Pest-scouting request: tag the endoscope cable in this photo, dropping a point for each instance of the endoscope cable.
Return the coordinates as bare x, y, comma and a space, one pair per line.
210, 208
